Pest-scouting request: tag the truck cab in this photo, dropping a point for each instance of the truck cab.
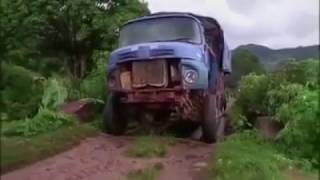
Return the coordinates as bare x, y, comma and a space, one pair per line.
169, 63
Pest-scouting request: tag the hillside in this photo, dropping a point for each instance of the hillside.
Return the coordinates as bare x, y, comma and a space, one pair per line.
270, 57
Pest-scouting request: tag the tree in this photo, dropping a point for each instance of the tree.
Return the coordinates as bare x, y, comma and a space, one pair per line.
68, 30
243, 63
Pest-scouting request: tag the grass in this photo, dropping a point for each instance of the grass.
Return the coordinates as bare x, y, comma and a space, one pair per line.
146, 174
244, 156
20, 151
150, 146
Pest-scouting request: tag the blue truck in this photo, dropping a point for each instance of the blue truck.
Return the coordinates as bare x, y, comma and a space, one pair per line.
169, 63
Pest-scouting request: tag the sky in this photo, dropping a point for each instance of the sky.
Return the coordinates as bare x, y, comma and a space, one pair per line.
273, 23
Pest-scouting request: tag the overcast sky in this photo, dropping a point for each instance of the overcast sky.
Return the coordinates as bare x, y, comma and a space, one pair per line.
274, 23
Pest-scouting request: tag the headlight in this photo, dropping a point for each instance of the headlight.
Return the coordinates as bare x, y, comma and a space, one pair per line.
190, 76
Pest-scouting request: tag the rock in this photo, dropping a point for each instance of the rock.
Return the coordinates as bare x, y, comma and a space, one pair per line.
267, 127
84, 109
200, 164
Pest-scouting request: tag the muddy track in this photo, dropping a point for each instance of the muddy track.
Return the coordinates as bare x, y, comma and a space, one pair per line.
104, 158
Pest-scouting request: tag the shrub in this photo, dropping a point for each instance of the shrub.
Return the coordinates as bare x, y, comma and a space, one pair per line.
45, 120
253, 92
291, 97
301, 135
21, 92
281, 95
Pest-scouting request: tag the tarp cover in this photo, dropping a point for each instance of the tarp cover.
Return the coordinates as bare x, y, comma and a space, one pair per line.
226, 59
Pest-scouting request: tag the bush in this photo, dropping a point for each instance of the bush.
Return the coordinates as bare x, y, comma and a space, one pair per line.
245, 156
301, 135
289, 96
253, 92
45, 120
21, 92
283, 94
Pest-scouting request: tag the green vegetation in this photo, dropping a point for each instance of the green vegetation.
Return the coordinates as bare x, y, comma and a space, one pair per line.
244, 156
19, 151
45, 121
53, 52
145, 174
290, 96
150, 146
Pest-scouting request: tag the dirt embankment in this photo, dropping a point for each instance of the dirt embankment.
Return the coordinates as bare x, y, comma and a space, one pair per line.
104, 157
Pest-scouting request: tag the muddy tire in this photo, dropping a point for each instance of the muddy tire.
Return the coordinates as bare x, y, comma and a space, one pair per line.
214, 123
114, 120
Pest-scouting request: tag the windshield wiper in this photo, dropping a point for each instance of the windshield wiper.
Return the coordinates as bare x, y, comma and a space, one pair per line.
182, 39
188, 40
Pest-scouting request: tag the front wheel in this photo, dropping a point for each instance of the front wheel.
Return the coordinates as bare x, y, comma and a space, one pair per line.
115, 121
214, 123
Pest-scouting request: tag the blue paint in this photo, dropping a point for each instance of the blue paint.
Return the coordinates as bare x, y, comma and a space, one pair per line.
192, 56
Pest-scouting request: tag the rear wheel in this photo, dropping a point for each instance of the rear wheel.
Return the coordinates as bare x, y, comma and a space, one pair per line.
115, 121
214, 123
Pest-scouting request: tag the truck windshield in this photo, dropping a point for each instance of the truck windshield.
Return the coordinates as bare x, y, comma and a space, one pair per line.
160, 30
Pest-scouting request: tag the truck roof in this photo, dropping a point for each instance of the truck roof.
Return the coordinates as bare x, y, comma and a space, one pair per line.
208, 23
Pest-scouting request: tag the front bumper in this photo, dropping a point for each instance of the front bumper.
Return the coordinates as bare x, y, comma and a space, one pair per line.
148, 96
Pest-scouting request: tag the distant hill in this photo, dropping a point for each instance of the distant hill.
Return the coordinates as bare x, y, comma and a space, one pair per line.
271, 57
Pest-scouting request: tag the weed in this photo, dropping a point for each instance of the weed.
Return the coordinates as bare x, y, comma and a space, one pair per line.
146, 174
150, 146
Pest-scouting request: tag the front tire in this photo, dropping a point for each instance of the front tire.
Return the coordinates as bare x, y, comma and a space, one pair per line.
214, 123
115, 121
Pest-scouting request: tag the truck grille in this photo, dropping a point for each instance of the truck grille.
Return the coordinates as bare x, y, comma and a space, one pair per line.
149, 73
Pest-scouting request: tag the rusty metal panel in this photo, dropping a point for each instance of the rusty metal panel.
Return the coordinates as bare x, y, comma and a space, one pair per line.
152, 72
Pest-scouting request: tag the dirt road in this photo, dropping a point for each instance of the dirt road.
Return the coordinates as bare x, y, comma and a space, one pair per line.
103, 158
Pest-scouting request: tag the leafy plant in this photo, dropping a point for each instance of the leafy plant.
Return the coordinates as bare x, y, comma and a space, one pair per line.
54, 95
